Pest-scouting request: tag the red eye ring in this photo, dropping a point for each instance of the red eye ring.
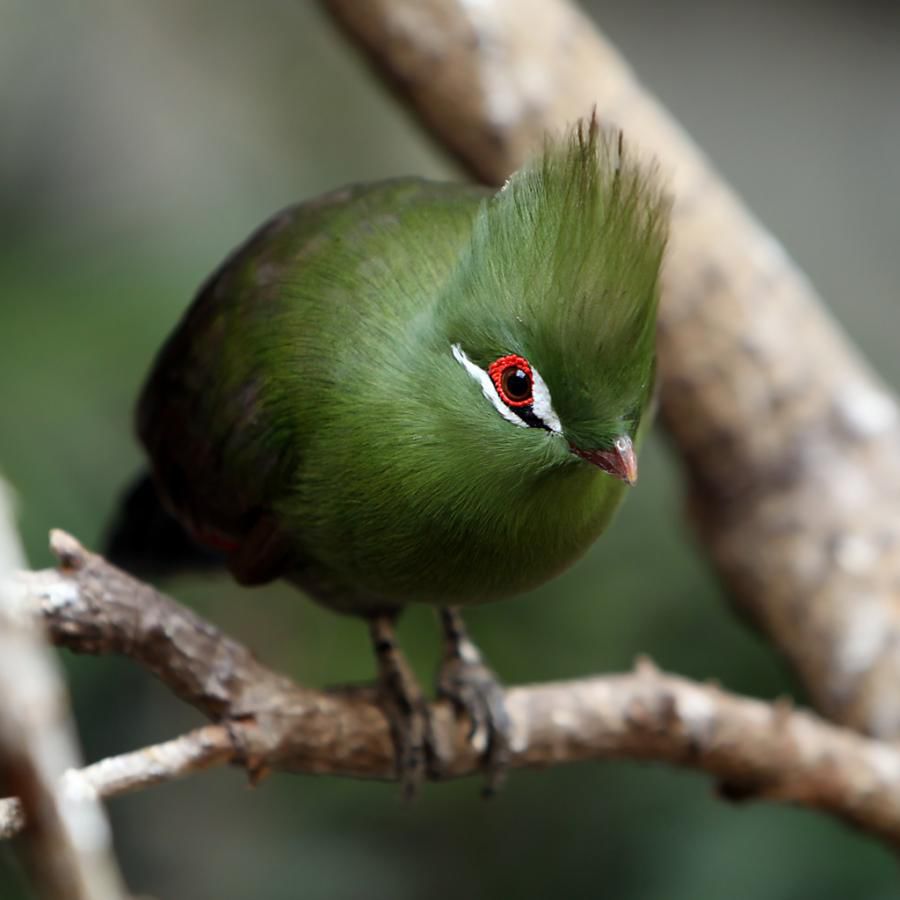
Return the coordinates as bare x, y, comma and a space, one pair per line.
507, 370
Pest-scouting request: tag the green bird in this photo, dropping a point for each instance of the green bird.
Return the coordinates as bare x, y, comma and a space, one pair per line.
413, 392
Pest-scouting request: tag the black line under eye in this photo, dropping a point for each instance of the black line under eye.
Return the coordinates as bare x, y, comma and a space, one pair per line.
530, 417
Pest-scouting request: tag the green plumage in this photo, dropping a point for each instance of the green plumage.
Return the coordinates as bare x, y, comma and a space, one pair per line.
309, 414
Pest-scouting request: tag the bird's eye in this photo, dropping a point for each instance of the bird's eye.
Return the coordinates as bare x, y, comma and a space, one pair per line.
513, 380
515, 389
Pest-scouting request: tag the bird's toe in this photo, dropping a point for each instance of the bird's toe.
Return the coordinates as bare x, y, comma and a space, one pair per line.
404, 705
410, 728
476, 692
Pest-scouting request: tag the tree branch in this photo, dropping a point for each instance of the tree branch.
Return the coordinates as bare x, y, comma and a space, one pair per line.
193, 752
791, 445
68, 844
266, 721
802, 516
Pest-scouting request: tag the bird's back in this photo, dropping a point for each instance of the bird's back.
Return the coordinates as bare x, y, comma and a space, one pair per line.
243, 381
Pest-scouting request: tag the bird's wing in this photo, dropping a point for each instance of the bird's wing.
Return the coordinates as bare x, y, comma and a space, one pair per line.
224, 438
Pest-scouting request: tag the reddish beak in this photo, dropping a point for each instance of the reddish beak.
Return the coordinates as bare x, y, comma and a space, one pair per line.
619, 462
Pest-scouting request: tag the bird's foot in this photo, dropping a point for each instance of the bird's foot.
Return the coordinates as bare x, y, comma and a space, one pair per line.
475, 690
404, 705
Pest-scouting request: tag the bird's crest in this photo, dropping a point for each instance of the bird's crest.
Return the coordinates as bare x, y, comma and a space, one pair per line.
563, 266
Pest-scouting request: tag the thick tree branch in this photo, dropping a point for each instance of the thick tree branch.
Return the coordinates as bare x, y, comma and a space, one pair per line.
67, 845
791, 445
266, 721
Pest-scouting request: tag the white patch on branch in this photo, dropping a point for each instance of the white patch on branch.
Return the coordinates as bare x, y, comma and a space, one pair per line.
865, 412
866, 632
855, 554
697, 711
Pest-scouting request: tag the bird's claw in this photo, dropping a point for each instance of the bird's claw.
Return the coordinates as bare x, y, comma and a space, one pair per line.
404, 706
474, 690
465, 681
410, 729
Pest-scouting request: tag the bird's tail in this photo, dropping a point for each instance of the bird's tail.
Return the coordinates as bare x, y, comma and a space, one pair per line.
147, 541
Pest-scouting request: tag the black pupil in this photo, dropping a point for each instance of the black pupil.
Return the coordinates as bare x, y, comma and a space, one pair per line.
517, 384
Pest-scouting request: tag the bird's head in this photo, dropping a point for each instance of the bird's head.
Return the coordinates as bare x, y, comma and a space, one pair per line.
551, 315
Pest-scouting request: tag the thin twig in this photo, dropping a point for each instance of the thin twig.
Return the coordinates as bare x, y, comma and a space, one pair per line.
193, 752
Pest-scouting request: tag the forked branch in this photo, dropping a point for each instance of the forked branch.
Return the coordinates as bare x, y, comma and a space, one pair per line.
264, 721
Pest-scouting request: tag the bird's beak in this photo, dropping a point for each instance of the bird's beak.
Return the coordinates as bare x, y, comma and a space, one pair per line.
620, 462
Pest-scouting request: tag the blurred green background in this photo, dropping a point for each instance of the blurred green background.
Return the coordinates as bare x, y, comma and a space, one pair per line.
138, 143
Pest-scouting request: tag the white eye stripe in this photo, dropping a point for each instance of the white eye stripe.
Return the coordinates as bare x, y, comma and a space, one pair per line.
487, 386
542, 406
